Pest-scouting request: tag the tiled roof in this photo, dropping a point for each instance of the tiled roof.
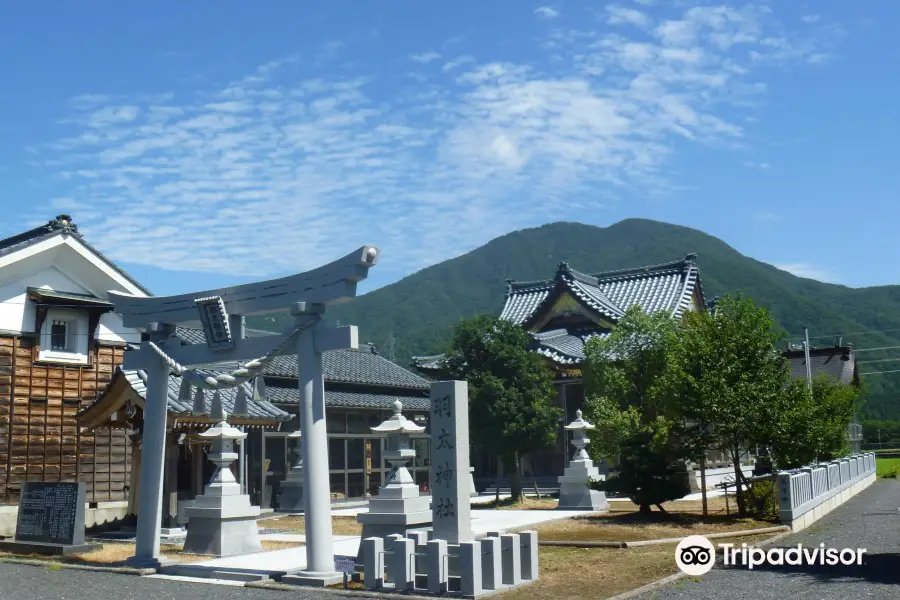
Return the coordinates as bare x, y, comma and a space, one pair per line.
564, 346
361, 366
838, 363
61, 225
668, 287
350, 399
258, 410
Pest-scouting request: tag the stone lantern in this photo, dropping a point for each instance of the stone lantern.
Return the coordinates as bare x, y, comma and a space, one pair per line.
574, 489
291, 499
222, 521
398, 508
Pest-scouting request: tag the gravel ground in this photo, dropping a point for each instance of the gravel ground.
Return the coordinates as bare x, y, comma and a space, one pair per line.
21, 582
870, 520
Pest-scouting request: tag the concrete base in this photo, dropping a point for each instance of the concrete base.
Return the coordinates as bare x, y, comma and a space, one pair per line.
308, 579
225, 537
291, 499
382, 530
46, 549
816, 513
581, 497
172, 531
150, 563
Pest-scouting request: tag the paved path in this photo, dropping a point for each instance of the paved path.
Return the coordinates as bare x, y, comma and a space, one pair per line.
21, 582
870, 520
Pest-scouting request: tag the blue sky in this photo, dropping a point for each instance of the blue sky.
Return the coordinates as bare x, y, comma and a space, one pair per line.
205, 143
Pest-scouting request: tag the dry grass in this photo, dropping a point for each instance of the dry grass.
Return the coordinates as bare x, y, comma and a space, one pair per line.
577, 573
624, 523
340, 525
524, 504
114, 554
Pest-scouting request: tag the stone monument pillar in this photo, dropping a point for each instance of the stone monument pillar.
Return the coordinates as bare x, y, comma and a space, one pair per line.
450, 477
574, 493
398, 507
291, 500
222, 521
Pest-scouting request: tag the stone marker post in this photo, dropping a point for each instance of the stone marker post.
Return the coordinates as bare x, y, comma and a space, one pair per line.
291, 500
450, 503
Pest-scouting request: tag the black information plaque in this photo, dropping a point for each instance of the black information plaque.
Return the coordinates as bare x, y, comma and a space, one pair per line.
51, 513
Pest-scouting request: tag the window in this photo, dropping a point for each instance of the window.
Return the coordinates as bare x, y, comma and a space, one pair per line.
64, 337
58, 337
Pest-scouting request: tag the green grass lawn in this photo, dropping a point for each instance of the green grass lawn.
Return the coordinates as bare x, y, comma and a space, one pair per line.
884, 466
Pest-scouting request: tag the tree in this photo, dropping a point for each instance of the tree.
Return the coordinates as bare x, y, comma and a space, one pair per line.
813, 424
733, 378
510, 390
630, 397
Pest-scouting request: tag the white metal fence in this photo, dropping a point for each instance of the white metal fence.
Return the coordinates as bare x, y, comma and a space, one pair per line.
801, 490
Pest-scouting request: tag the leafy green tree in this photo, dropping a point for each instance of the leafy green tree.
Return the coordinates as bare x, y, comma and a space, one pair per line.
511, 393
813, 424
732, 379
630, 397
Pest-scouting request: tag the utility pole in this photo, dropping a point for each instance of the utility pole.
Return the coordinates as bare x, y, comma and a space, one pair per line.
390, 347
806, 356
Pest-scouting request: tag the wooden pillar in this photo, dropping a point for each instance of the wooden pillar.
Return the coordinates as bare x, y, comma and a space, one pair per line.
170, 481
197, 459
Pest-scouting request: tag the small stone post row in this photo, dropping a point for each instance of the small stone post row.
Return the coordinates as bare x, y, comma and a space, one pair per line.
496, 562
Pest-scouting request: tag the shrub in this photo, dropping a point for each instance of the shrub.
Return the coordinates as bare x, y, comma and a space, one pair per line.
761, 500
892, 472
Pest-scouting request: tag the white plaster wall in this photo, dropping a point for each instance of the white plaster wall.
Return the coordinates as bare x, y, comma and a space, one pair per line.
18, 315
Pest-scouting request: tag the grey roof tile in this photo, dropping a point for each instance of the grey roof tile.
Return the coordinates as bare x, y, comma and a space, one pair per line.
259, 410
564, 346
361, 366
838, 363
351, 399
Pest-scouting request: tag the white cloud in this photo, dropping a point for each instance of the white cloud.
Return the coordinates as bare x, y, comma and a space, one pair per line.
283, 168
757, 165
617, 15
809, 19
425, 57
546, 12
766, 217
809, 271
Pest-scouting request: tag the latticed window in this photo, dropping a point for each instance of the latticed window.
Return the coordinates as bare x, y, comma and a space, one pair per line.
58, 335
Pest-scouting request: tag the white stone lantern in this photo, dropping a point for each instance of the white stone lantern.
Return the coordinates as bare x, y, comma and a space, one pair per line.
398, 508
222, 521
574, 485
291, 498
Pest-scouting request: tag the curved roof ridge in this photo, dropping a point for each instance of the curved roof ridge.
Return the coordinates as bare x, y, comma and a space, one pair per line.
644, 269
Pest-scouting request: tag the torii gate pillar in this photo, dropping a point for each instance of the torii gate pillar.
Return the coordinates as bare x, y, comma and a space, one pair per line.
311, 343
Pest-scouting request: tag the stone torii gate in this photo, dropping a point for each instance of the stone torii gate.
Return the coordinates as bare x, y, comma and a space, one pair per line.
220, 312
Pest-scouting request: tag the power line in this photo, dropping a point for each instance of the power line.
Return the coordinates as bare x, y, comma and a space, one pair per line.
871, 331
862, 362
874, 349
880, 372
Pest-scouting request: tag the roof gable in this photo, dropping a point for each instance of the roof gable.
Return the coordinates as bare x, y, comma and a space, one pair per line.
667, 287
61, 235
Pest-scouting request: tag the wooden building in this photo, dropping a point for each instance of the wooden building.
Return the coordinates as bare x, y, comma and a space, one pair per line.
60, 344
562, 313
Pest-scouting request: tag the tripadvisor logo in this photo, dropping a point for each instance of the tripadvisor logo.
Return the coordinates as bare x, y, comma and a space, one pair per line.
695, 555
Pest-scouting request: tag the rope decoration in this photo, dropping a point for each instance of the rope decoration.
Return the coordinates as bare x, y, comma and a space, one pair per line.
204, 380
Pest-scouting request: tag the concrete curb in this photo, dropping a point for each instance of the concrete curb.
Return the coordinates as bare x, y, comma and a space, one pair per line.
282, 587
63, 565
639, 543
711, 536
649, 587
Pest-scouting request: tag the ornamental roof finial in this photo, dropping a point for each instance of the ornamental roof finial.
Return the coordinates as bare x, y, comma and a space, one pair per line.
63, 223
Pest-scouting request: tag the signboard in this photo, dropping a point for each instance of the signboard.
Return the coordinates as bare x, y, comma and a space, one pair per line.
51, 513
449, 475
344, 564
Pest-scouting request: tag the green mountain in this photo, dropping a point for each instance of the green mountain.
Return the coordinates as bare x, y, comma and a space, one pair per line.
418, 312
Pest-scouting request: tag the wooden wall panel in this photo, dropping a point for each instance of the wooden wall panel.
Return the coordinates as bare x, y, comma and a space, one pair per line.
39, 439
